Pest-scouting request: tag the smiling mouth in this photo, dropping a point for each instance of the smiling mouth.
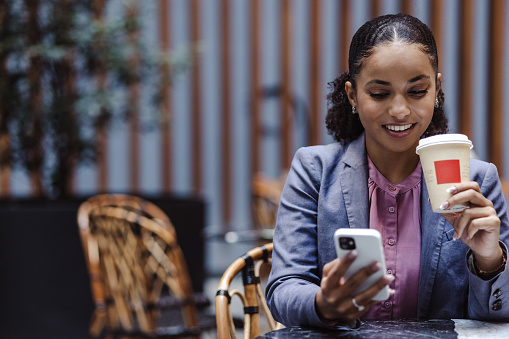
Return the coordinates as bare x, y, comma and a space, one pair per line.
398, 128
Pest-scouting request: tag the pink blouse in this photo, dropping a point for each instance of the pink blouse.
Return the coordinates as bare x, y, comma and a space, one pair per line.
395, 211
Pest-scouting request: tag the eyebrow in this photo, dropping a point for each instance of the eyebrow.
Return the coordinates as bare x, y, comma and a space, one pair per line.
386, 83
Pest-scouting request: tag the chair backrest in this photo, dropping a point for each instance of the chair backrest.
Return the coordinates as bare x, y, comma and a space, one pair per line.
133, 259
265, 195
252, 298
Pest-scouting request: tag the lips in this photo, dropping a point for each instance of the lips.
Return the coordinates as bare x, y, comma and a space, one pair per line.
398, 128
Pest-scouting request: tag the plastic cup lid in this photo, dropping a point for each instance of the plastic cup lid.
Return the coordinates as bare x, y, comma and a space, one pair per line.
444, 139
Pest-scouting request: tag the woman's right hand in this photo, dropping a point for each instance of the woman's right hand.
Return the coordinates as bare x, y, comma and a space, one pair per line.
334, 299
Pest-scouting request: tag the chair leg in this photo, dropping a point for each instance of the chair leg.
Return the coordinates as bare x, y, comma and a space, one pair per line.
97, 323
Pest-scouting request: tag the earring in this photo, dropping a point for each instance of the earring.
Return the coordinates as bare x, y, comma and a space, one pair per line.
436, 103
354, 111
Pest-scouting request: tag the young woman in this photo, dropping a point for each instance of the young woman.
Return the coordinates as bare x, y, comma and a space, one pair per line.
372, 177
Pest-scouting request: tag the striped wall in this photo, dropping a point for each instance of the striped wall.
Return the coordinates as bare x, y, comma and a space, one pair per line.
257, 93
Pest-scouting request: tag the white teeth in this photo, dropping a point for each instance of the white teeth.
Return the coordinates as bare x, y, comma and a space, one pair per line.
398, 128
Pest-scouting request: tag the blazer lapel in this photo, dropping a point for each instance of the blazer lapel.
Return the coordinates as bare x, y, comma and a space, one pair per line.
431, 242
354, 183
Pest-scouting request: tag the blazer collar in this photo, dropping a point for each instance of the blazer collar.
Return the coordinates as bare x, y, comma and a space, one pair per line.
355, 154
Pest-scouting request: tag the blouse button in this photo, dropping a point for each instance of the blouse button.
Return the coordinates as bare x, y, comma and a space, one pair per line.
392, 188
389, 272
392, 209
392, 242
387, 304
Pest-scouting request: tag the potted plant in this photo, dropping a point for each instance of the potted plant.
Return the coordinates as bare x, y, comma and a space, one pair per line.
64, 74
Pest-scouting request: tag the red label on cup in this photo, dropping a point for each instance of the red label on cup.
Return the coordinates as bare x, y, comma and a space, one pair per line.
448, 171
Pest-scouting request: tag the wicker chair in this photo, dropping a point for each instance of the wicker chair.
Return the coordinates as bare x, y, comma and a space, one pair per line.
265, 195
253, 298
139, 279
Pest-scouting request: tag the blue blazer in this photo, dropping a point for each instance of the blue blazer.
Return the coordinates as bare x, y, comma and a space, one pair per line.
327, 189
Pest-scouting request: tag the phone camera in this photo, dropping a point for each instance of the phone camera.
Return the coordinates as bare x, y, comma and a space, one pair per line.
347, 243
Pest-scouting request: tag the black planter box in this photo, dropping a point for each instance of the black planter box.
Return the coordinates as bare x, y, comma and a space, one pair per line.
44, 284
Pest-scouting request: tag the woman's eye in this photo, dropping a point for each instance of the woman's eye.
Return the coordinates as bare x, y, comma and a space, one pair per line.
378, 95
419, 93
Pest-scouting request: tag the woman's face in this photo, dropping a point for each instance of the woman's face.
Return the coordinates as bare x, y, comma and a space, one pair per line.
395, 97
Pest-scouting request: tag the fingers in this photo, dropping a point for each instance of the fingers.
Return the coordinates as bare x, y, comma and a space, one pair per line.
481, 215
334, 299
467, 192
365, 299
366, 305
368, 294
358, 278
334, 271
472, 220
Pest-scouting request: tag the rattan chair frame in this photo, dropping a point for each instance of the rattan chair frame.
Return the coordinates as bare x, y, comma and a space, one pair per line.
265, 195
253, 297
132, 255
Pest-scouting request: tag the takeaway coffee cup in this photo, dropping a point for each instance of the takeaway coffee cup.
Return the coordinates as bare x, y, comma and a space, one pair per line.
445, 161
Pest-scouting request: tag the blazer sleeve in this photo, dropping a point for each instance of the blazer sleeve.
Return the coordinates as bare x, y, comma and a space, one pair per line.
295, 279
489, 299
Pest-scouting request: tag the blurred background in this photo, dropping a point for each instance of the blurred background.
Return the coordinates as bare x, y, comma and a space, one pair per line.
204, 102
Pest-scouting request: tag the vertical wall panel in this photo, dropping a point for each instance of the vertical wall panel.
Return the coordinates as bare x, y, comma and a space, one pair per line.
300, 70
465, 59
212, 125
345, 25
225, 108
329, 60
102, 160
254, 85
314, 69
406, 6
435, 23
496, 83
269, 88
422, 9
195, 100
286, 64
134, 109
376, 8
239, 97
480, 82
166, 155
181, 96
450, 64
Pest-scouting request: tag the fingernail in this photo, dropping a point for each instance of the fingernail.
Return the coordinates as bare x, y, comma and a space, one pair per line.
444, 206
451, 190
389, 278
391, 291
375, 267
352, 255
455, 236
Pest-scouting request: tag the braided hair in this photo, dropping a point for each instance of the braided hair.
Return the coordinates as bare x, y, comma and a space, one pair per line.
340, 122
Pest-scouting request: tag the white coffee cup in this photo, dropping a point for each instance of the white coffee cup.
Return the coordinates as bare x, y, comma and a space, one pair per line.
445, 160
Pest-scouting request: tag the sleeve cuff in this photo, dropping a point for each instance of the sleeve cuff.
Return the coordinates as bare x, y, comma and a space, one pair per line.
473, 269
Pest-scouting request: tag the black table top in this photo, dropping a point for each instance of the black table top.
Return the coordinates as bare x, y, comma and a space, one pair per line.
439, 328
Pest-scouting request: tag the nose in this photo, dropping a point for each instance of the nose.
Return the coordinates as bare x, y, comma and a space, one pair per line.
399, 108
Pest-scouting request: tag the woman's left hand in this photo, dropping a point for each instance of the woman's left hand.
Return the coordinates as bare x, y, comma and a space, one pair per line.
478, 226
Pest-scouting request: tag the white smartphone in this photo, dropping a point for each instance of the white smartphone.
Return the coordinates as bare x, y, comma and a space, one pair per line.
368, 244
